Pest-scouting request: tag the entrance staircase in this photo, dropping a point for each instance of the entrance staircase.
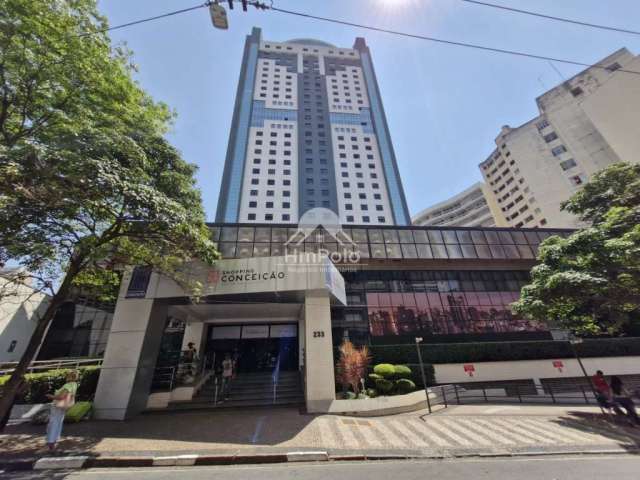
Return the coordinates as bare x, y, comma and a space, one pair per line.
249, 390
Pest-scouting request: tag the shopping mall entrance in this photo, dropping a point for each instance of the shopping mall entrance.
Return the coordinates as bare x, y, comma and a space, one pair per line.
255, 348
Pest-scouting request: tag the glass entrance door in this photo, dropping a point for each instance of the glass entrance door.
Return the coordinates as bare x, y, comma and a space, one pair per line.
254, 347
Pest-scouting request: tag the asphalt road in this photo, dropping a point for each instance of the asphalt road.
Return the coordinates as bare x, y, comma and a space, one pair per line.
618, 467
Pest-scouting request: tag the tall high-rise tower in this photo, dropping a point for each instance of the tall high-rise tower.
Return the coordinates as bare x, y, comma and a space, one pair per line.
309, 131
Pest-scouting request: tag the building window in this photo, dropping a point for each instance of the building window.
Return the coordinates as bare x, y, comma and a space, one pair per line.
365, 219
286, 217
255, 181
253, 193
550, 137
381, 220
270, 193
542, 124
268, 205
268, 216
567, 164
350, 218
559, 150
577, 91
253, 204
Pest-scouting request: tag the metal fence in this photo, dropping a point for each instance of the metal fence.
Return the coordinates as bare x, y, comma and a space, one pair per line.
570, 391
43, 365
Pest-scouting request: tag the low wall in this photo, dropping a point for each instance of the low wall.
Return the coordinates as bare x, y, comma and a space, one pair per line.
371, 407
534, 369
182, 393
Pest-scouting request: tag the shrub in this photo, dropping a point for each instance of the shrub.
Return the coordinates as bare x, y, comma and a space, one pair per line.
404, 385
385, 370
402, 371
375, 376
384, 386
372, 392
38, 385
349, 396
352, 365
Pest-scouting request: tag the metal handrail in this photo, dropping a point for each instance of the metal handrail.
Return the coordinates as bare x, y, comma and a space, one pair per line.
38, 365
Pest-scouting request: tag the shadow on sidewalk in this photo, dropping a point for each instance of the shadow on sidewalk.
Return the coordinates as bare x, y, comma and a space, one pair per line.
210, 429
616, 428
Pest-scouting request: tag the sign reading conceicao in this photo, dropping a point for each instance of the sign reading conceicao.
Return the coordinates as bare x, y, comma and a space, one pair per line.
243, 275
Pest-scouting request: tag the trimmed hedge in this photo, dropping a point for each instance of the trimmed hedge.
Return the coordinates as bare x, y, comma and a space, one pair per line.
502, 351
40, 384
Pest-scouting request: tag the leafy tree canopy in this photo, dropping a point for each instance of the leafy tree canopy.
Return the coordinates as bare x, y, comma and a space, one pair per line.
589, 282
87, 180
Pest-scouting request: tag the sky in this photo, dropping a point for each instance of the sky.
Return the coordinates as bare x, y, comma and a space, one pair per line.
445, 105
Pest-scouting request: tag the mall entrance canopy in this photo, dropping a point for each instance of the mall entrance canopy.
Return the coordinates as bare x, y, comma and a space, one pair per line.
295, 285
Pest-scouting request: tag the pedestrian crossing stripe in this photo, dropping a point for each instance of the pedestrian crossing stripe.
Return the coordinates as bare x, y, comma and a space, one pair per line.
409, 432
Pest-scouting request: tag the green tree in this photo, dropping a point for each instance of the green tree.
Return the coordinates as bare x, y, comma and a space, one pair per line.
87, 180
589, 282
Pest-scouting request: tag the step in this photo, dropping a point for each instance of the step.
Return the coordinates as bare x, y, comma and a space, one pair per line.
256, 384
195, 404
250, 400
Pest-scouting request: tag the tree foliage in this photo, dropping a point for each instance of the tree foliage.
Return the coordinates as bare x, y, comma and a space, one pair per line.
88, 183
589, 282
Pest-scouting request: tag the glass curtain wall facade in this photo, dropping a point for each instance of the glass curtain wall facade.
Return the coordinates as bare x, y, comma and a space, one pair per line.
442, 283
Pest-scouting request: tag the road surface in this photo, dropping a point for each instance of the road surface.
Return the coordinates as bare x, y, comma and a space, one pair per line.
618, 467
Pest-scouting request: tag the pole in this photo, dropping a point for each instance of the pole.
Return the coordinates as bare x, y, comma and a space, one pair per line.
424, 377
584, 372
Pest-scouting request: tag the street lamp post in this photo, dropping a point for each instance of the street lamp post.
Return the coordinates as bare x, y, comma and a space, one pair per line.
567, 336
424, 377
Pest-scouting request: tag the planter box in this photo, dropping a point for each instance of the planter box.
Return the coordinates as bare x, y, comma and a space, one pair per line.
378, 406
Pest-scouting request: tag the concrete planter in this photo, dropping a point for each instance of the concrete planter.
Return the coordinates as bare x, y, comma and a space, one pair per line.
378, 406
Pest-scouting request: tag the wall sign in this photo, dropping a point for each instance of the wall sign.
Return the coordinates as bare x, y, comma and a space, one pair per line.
469, 369
558, 364
318, 334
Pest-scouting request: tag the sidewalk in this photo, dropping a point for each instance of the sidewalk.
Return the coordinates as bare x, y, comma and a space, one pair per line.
459, 430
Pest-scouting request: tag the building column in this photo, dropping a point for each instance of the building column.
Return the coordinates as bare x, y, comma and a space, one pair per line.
319, 374
130, 358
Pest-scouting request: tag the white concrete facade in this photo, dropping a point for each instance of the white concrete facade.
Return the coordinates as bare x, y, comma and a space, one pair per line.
473, 207
20, 307
311, 285
585, 124
534, 369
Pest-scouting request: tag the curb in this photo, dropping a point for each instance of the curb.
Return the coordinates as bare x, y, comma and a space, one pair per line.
84, 462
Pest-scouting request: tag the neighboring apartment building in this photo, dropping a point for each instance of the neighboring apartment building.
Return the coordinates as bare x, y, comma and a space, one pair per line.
20, 305
585, 124
309, 131
472, 207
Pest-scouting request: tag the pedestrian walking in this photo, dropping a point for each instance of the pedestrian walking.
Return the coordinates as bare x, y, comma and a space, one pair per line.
603, 390
62, 400
622, 398
227, 374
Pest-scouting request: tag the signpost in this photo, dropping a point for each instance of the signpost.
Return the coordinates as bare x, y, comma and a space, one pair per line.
424, 377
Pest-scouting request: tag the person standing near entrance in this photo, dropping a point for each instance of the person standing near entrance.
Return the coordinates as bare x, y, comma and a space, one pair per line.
227, 374
62, 400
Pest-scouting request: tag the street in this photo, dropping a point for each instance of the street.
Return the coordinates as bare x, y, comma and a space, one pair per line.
620, 467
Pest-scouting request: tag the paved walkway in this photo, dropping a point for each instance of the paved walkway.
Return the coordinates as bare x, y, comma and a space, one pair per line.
481, 429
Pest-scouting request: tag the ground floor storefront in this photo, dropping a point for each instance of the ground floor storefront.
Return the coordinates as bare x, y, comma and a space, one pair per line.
279, 318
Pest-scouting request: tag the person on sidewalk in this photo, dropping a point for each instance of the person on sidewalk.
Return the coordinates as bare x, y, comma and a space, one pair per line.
603, 391
621, 397
62, 400
227, 375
